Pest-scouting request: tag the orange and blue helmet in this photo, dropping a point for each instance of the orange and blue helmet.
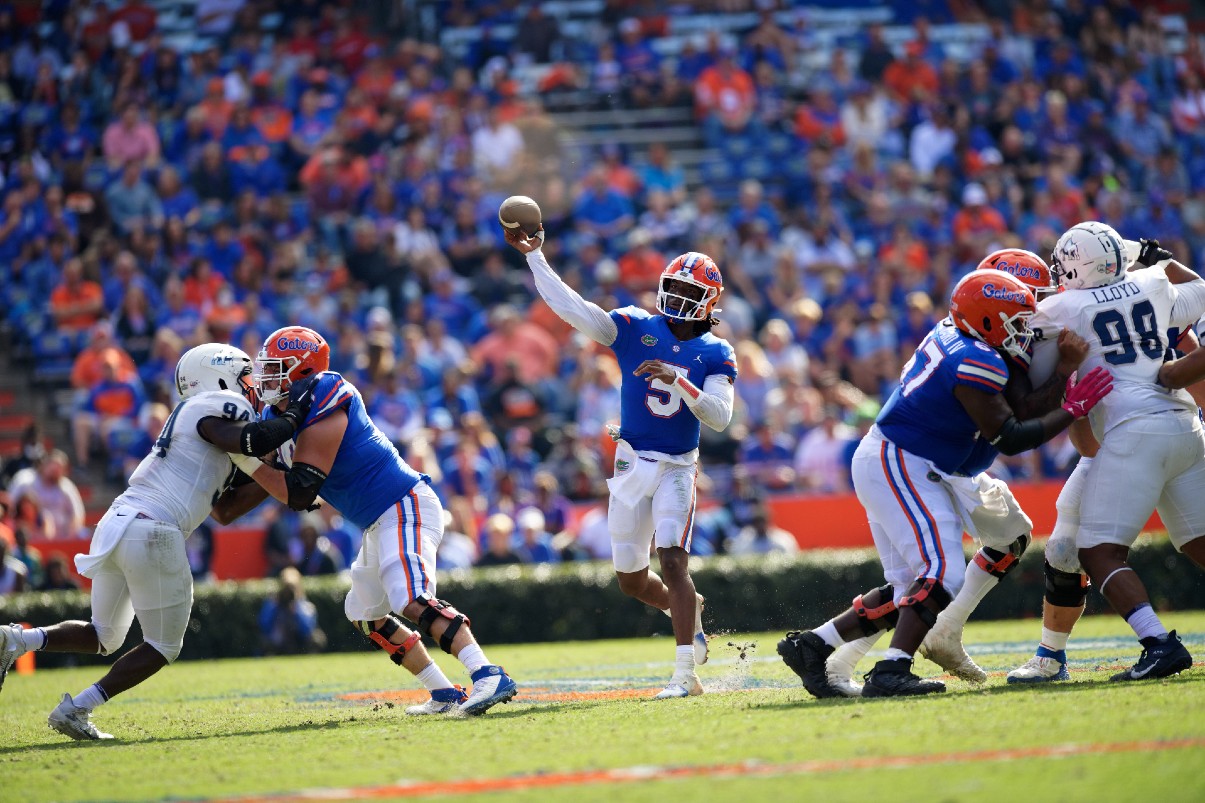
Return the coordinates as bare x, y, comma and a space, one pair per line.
689, 288
289, 354
995, 307
1026, 266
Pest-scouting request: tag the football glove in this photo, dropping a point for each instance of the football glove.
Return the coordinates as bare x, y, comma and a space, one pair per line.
301, 398
1083, 395
1151, 253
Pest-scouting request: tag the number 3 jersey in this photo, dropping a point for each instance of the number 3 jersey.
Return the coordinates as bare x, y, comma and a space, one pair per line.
1126, 326
184, 474
653, 416
923, 416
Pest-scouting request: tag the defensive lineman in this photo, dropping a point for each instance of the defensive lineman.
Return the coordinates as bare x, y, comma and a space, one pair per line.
676, 375
137, 561
1152, 449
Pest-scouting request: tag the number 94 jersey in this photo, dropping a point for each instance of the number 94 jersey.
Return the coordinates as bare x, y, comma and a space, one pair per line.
653, 416
184, 474
923, 416
1126, 326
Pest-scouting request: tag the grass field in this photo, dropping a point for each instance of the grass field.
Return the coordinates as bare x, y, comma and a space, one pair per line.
331, 727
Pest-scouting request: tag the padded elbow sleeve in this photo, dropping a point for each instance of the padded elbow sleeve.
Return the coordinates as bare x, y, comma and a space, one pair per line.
1019, 436
303, 482
261, 437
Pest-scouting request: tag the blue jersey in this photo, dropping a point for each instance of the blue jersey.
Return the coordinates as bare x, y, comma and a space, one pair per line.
652, 416
925, 418
368, 476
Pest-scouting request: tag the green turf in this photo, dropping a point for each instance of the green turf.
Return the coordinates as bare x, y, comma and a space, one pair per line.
246, 727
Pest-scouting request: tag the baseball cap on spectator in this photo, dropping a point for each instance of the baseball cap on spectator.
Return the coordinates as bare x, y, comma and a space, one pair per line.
991, 156
974, 195
808, 309
530, 518
379, 316
606, 271
119, 35
630, 25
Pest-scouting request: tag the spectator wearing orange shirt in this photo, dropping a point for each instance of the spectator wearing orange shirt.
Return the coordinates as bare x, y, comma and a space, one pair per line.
911, 78
641, 266
88, 369
377, 78
976, 225
274, 121
112, 404
215, 108
527, 344
725, 97
76, 303
202, 285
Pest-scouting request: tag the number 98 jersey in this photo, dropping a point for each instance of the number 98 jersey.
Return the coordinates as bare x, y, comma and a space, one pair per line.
1125, 324
653, 416
923, 416
184, 474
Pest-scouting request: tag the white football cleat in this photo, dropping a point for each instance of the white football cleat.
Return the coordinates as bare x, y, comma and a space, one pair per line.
700, 639
70, 720
12, 647
1046, 667
441, 701
491, 685
681, 686
943, 646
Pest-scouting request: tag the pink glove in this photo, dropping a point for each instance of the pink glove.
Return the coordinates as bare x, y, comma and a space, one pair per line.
1083, 395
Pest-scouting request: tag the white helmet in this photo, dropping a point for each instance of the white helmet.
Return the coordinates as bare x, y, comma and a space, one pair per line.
213, 366
1089, 254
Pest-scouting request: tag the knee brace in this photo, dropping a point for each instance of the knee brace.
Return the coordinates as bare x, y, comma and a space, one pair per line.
434, 609
997, 563
883, 616
1065, 589
380, 636
930, 599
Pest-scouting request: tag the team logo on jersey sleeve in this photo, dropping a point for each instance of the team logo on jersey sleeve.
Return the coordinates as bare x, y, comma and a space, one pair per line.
648, 340
622, 466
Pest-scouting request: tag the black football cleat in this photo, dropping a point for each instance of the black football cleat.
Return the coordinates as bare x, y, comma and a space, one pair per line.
895, 679
1160, 660
805, 653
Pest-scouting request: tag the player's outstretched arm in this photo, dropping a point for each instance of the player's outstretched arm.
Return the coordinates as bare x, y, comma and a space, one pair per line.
1000, 426
257, 438
584, 316
299, 486
240, 498
1027, 401
712, 404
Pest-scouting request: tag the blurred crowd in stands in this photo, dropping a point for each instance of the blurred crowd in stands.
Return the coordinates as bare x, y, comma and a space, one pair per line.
328, 164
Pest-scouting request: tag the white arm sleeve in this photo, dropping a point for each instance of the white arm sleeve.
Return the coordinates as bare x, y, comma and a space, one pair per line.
714, 405
1189, 304
584, 316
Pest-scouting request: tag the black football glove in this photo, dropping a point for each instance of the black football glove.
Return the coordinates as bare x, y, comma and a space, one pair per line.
1151, 253
301, 398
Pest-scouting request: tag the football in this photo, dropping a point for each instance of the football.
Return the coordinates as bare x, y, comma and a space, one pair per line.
521, 211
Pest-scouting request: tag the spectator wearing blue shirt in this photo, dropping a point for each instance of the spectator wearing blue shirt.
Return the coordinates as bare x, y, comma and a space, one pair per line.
178, 200
223, 251
132, 203
752, 205
458, 311
639, 62
532, 543
768, 455
288, 622
602, 211
71, 140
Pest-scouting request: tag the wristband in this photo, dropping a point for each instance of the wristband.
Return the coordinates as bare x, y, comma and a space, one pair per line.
690, 393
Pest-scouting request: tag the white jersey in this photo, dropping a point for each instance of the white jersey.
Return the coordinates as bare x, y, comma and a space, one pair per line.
182, 477
1126, 325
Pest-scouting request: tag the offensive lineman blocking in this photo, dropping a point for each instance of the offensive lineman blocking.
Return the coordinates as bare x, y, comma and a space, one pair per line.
653, 489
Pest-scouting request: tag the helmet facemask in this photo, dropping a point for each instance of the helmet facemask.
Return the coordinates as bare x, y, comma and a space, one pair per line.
1018, 335
684, 298
275, 371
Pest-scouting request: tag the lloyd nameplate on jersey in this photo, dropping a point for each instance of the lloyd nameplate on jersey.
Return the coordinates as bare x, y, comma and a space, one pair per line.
1114, 292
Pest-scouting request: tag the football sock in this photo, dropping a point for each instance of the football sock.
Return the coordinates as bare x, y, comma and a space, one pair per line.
894, 654
434, 678
473, 658
975, 585
684, 663
828, 632
92, 697
855, 651
1146, 622
1054, 640
34, 638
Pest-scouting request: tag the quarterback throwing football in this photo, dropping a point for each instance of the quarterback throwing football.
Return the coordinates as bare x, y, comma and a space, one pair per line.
676, 375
